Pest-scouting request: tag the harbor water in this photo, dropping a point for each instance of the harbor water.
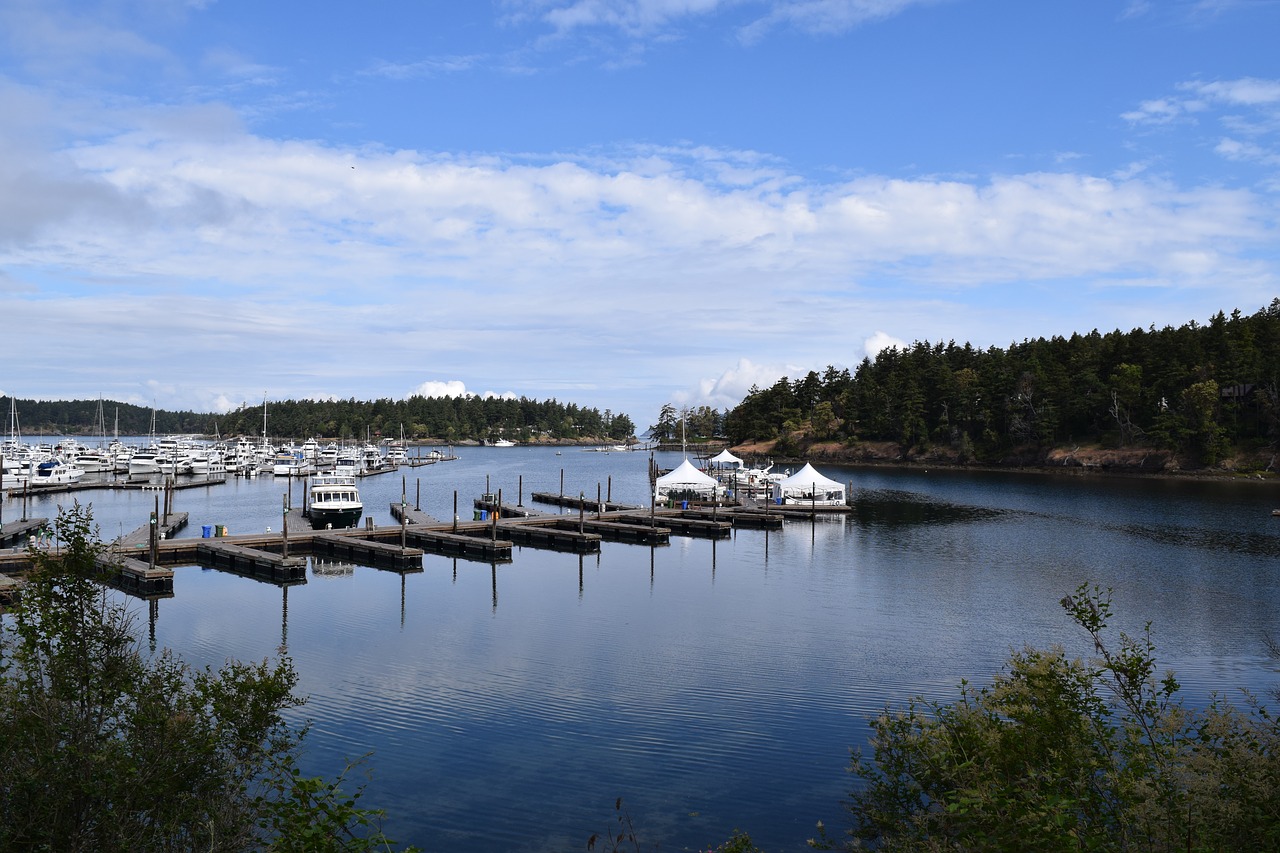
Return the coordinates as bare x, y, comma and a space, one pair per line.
712, 685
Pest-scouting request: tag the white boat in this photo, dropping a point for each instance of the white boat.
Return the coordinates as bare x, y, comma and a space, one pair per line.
371, 458
205, 462
396, 455
333, 502
502, 442
144, 462
55, 472
346, 464
93, 461
291, 464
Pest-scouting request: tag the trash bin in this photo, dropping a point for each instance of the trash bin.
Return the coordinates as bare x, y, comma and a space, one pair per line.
206, 530
220, 530
684, 504
484, 515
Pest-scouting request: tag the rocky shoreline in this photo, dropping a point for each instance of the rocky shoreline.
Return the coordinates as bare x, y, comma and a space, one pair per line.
1077, 460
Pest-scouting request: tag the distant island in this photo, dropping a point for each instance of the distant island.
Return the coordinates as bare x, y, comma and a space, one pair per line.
446, 420
1198, 398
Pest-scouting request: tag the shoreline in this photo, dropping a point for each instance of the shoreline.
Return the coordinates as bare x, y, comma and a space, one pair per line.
1076, 462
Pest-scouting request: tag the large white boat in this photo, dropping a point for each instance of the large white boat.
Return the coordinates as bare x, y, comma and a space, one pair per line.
396, 455
55, 472
333, 502
371, 458
502, 442
144, 462
291, 464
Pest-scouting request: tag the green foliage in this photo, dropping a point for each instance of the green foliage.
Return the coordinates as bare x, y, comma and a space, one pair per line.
446, 419
1063, 754
105, 749
1196, 390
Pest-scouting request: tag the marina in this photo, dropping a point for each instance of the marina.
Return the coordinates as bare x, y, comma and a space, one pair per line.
716, 680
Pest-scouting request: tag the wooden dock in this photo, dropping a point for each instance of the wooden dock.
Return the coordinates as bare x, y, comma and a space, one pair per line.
682, 523
367, 552
401, 547
490, 504
551, 535
167, 524
14, 532
412, 516
747, 519
136, 577
584, 503
628, 529
469, 542
252, 562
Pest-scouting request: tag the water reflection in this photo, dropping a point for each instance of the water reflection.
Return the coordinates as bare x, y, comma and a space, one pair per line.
728, 695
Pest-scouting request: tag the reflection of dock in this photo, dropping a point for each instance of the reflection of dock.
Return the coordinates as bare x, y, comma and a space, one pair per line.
10, 589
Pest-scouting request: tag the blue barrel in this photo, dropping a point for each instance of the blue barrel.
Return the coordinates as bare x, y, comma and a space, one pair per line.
684, 504
484, 515
207, 530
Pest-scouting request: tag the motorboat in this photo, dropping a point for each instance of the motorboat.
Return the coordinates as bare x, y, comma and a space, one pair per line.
502, 442
55, 472
333, 502
396, 455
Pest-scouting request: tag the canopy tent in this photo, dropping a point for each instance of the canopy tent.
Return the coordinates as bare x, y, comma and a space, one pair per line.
685, 483
725, 459
807, 486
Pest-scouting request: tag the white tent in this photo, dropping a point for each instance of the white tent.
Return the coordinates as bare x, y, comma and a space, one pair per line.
807, 486
685, 483
725, 459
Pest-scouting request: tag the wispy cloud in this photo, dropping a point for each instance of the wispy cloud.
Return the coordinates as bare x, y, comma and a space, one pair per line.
646, 17
1247, 107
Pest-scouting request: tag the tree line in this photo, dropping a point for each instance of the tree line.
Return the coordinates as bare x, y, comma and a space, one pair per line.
447, 419
1197, 390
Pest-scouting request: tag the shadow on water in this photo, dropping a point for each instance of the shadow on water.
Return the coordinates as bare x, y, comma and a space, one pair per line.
1210, 539
895, 508
890, 508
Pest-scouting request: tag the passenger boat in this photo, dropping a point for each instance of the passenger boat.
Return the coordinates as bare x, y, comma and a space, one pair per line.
333, 502
502, 442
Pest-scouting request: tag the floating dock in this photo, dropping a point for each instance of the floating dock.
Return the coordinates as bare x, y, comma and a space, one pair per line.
367, 552
136, 577
14, 532
252, 562
583, 503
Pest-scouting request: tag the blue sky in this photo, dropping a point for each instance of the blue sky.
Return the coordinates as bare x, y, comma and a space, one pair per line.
618, 203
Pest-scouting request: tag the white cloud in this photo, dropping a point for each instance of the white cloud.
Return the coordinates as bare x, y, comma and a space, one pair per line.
879, 341
1246, 91
646, 17
730, 387
436, 388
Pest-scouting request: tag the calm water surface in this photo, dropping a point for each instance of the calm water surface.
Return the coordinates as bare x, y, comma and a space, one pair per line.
712, 686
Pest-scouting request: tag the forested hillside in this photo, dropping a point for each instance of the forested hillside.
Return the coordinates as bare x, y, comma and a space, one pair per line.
447, 419
1198, 391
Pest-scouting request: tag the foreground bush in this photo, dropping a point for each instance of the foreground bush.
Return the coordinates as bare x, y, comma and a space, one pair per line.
1064, 754
105, 749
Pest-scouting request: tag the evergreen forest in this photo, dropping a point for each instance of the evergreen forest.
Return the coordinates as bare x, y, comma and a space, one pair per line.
1200, 392
446, 419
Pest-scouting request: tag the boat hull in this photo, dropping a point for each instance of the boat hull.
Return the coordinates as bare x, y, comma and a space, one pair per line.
335, 519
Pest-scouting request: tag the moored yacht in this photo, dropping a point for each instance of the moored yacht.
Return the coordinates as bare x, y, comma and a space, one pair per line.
53, 472
333, 502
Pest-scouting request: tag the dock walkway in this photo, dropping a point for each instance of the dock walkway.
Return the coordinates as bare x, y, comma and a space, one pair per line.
14, 532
